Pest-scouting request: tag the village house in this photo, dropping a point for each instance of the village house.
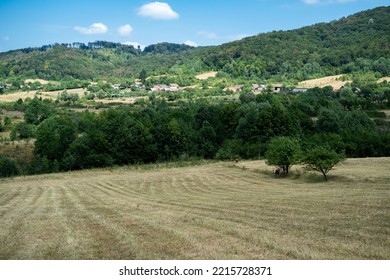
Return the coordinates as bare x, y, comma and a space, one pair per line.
115, 86
170, 87
277, 87
159, 87
257, 87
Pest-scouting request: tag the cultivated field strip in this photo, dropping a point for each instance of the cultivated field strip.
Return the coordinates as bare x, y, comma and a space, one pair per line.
215, 211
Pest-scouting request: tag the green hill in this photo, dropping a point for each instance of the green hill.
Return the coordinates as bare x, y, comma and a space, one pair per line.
308, 52
360, 42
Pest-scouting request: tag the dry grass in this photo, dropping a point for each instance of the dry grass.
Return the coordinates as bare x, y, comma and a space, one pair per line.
125, 100
333, 81
12, 97
215, 211
207, 75
21, 150
387, 112
41, 81
381, 80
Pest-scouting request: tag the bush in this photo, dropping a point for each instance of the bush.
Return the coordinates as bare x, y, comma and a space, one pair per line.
41, 165
8, 167
230, 150
23, 131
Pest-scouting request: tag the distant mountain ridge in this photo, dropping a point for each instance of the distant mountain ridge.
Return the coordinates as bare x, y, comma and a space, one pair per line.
346, 45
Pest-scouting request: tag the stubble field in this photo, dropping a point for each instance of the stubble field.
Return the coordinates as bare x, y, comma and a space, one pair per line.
211, 211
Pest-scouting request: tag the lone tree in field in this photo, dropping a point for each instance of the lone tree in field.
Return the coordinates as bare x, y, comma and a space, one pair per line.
322, 159
283, 152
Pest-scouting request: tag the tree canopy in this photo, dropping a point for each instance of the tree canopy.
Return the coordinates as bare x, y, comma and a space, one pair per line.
322, 159
283, 152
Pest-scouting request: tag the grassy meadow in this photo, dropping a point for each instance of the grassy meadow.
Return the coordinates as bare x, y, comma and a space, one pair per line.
211, 211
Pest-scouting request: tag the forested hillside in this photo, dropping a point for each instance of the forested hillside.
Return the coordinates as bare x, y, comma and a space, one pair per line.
360, 42
92, 61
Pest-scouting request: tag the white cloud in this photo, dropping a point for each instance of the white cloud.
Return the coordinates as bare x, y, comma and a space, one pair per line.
190, 43
207, 35
135, 45
95, 28
158, 10
314, 2
125, 30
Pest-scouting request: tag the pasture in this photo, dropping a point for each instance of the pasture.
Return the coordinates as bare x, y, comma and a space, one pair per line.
210, 211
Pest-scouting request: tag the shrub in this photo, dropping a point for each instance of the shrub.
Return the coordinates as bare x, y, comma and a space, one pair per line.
8, 167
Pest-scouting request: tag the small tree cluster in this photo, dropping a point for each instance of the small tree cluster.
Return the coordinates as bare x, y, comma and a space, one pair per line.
284, 152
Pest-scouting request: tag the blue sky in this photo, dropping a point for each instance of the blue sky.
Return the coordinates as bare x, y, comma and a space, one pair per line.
33, 23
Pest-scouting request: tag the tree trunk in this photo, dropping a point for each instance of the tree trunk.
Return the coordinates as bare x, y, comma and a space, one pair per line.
323, 173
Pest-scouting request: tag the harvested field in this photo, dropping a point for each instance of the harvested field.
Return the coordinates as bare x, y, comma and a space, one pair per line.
41, 81
332, 81
381, 80
212, 211
207, 75
12, 97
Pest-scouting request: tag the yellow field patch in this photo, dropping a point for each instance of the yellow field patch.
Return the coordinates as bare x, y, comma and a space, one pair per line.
41, 81
333, 81
207, 75
12, 97
381, 80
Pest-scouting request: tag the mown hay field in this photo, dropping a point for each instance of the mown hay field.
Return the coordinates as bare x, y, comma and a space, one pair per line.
211, 211
333, 81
